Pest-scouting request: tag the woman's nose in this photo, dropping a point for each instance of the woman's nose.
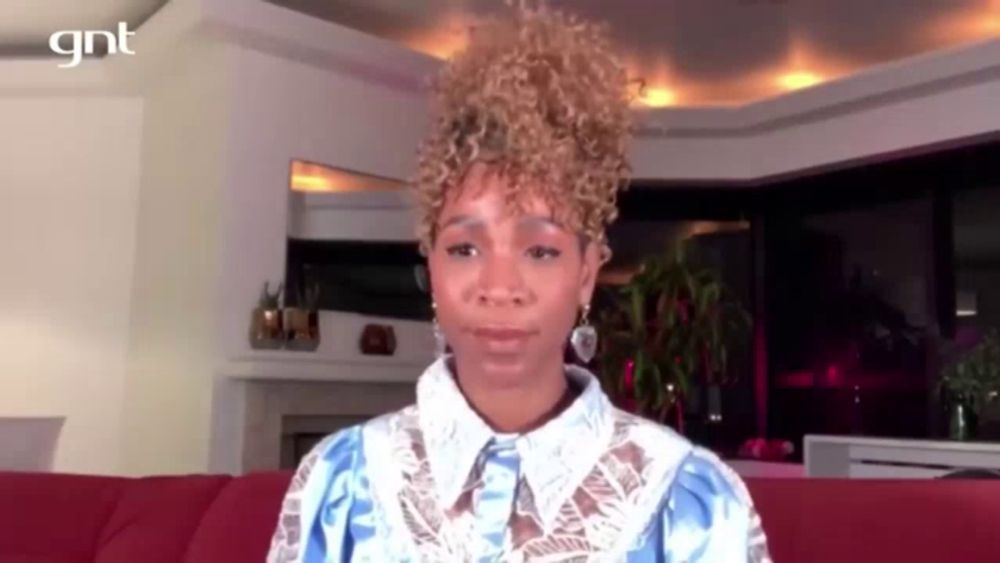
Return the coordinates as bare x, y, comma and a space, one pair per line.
501, 283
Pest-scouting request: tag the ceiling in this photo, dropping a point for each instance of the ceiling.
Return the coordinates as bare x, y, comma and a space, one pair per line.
708, 52
689, 52
25, 25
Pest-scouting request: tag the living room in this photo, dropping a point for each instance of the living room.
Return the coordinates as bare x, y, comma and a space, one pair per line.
149, 197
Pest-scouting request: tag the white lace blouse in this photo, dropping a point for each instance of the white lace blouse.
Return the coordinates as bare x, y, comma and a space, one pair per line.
433, 482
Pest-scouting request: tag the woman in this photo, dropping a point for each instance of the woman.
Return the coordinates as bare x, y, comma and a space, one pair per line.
508, 453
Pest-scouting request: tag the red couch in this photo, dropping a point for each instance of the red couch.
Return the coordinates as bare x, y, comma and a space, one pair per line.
47, 518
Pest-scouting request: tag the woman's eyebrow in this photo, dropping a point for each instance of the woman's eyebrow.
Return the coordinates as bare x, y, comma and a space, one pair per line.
536, 221
467, 221
532, 222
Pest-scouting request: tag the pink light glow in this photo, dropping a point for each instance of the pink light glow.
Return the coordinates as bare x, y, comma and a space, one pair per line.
630, 375
803, 378
834, 375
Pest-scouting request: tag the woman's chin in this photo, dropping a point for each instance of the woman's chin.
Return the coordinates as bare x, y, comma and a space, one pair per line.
505, 369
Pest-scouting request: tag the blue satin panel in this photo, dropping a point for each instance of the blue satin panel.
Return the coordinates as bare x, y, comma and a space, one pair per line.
344, 524
701, 520
495, 501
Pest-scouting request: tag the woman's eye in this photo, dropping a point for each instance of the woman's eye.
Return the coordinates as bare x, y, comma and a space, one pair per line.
543, 253
464, 250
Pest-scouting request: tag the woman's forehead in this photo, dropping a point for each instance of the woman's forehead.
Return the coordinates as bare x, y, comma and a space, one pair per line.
489, 197
496, 199
492, 207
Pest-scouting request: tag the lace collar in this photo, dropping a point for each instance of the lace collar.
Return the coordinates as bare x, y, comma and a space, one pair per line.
555, 458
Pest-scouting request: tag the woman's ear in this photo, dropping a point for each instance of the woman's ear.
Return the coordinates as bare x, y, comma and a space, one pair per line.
591, 264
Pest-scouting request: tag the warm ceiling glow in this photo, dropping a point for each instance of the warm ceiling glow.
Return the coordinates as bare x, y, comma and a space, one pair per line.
967, 25
991, 20
697, 228
658, 97
309, 177
798, 80
804, 65
307, 183
446, 38
991, 24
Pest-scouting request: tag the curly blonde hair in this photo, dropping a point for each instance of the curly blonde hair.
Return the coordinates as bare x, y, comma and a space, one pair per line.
541, 99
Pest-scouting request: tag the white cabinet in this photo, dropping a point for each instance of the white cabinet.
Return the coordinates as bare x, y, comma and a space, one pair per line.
879, 458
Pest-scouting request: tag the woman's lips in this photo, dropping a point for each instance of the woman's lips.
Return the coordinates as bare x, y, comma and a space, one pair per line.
501, 333
502, 340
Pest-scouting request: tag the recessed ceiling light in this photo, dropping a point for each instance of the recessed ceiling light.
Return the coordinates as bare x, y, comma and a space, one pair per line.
799, 79
991, 24
658, 97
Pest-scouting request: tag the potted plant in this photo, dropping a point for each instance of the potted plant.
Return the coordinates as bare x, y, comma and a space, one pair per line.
302, 321
671, 326
971, 384
266, 326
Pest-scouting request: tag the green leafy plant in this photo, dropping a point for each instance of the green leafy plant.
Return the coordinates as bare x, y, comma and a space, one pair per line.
270, 300
675, 322
974, 379
308, 299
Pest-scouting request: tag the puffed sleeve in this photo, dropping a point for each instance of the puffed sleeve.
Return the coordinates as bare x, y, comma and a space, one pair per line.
707, 517
314, 525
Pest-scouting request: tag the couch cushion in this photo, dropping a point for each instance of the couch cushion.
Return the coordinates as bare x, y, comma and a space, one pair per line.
832, 521
52, 518
239, 524
156, 517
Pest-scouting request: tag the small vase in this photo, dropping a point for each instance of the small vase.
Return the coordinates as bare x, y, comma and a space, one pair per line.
958, 426
714, 401
378, 340
301, 329
266, 329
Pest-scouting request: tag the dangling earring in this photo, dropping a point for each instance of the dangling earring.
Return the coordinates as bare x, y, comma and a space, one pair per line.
583, 339
440, 344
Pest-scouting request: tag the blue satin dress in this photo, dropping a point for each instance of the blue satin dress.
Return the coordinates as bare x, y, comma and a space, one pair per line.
433, 482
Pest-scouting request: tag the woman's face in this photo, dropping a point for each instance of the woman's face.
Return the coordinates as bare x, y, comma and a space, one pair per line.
508, 285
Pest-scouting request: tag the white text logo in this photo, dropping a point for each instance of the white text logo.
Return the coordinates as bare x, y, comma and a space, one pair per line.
82, 43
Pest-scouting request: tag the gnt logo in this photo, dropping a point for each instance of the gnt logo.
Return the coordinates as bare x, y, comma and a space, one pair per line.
82, 43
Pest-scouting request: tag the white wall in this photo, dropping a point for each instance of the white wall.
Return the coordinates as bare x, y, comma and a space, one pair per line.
284, 109
174, 337
222, 125
69, 179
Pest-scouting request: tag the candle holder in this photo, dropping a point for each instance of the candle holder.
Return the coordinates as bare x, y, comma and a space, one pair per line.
266, 322
301, 328
302, 322
378, 340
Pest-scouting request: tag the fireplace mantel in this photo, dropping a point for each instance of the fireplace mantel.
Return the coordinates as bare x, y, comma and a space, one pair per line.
319, 369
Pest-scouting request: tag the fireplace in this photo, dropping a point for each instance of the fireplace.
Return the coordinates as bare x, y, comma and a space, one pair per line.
299, 433
276, 421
